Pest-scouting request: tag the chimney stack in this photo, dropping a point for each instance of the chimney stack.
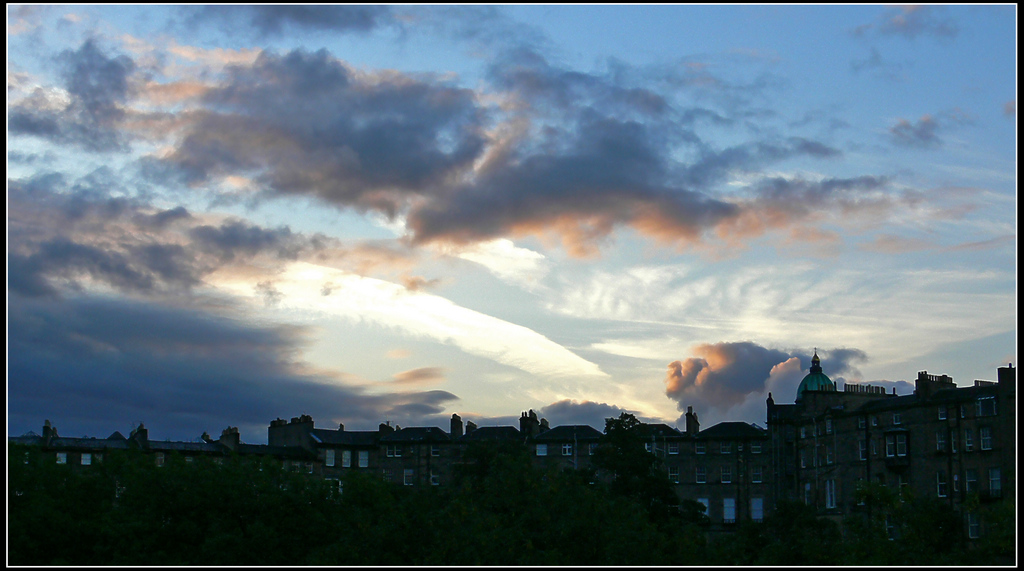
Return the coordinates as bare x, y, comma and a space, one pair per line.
229, 438
470, 426
692, 425
456, 426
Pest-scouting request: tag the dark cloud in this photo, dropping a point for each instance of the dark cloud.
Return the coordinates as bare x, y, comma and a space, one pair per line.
97, 85
726, 374
234, 238
922, 134
312, 127
587, 412
269, 21
93, 365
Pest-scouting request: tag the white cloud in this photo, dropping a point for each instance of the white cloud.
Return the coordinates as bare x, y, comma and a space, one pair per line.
420, 314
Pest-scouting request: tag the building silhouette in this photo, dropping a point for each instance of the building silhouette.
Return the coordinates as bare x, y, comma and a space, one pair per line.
956, 444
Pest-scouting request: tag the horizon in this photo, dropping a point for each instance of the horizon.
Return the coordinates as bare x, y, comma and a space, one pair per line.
223, 215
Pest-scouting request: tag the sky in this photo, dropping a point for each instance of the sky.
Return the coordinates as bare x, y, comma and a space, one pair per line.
222, 215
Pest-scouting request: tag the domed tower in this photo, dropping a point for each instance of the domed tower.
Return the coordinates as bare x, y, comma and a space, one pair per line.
815, 379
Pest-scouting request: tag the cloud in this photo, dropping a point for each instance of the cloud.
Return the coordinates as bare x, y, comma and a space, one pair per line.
909, 22
269, 21
422, 375
724, 375
99, 363
890, 244
89, 111
1010, 108
922, 134
590, 413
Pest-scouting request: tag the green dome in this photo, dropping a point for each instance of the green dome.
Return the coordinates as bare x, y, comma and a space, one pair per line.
815, 379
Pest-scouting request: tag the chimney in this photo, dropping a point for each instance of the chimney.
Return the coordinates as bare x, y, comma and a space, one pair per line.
206, 437
692, 425
544, 425
470, 426
456, 430
528, 423
49, 431
1007, 378
229, 438
385, 428
140, 436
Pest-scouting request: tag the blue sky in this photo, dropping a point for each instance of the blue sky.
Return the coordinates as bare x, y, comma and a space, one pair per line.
224, 215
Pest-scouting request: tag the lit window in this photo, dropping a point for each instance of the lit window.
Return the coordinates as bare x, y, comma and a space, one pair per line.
756, 475
726, 474
699, 447
757, 509
673, 474
408, 477
62, 457
364, 458
729, 510
329, 457
567, 450
701, 475
542, 450
940, 484
940, 440
995, 484
346, 458
985, 434
968, 440
830, 494
86, 459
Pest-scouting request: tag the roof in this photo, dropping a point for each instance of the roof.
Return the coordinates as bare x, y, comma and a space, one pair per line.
176, 446
345, 438
659, 431
295, 452
417, 434
733, 431
816, 380
492, 433
569, 432
87, 444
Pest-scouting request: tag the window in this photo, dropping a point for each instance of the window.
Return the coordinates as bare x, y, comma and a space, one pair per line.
901, 444
408, 477
567, 450
86, 459
435, 450
970, 480
62, 457
995, 484
329, 457
828, 426
542, 450
387, 475
309, 467
394, 451
874, 420
940, 484
985, 435
952, 443
364, 458
973, 526
861, 423
987, 406
739, 447
862, 445
755, 447
726, 474
728, 510
591, 448
890, 445
807, 493
940, 440
968, 440
435, 479
707, 505
673, 448
902, 486
956, 482
647, 446
701, 475
803, 458
346, 458
757, 509
803, 432
189, 459
897, 418
673, 474
942, 413
830, 494
725, 447
756, 475
874, 447
698, 447
963, 411
828, 455
159, 458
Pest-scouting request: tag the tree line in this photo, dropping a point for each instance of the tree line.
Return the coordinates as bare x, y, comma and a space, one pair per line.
498, 510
